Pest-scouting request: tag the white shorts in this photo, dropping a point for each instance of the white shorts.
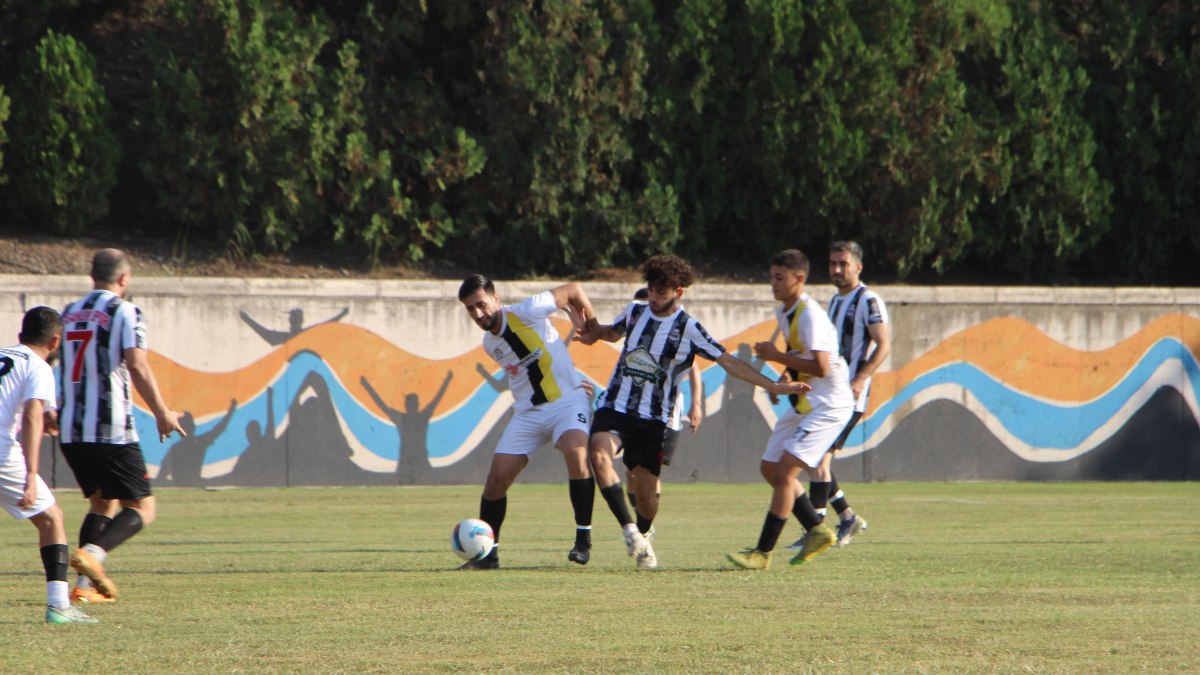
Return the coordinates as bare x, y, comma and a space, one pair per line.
12, 487
546, 423
807, 437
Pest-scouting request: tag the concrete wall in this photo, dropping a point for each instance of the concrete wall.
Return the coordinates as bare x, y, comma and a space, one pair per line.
983, 383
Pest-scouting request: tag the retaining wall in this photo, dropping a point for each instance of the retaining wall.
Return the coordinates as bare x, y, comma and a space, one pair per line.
330, 382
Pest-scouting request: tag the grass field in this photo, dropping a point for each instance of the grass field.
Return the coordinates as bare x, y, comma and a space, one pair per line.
968, 577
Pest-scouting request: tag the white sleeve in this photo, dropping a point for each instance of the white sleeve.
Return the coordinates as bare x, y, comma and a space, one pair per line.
535, 308
817, 334
40, 385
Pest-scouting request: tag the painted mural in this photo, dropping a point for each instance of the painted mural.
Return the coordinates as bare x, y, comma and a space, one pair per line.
335, 404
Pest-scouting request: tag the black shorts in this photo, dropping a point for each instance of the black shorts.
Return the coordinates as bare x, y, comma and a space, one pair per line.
841, 439
670, 440
642, 439
117, 471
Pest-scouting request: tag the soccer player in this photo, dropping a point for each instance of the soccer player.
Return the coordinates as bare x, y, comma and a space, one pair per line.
27, 401
675, 424
861, 320
661, 342
805, 433
549, 400
104, 351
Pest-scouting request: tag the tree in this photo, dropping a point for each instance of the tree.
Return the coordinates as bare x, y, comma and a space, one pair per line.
62, 157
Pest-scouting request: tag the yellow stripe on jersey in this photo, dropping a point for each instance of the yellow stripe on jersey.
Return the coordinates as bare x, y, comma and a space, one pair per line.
794, 344
529, 337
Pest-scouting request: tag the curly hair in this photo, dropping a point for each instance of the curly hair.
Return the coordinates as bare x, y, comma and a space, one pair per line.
668, 271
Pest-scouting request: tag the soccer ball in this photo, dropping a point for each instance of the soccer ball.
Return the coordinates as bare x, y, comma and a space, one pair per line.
472, 539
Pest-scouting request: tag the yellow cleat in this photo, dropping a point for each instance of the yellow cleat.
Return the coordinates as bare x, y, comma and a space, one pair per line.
818, 539
751, 559
89, 596
86, 564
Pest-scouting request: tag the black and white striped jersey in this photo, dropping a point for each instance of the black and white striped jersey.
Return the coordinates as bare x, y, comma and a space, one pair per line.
852, 314
97, 400
656, 357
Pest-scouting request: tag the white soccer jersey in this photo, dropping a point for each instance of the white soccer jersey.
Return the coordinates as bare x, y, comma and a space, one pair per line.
852, 315
658, 352
531, 352
24, 376
807, 329
97, 401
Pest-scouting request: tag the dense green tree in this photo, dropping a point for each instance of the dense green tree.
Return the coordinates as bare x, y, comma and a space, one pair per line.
62, 156
1143, 60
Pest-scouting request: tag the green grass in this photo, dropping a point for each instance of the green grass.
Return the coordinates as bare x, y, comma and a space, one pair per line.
973, 577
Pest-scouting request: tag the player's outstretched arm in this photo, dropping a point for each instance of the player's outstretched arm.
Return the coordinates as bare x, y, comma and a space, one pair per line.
746, 373
147, 386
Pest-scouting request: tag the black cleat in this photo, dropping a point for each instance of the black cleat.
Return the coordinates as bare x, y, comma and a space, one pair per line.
580, 554
488, 563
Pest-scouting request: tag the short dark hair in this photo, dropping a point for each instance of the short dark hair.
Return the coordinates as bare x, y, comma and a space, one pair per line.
474, 283
39, 326
848, 246
108, 264
642, 293
668, 271
792, 259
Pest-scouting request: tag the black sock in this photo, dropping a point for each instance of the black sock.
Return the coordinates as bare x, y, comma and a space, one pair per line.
772, 526
492, 511
93, 525
127, 523
632, 499
839, 503
616, 503
837, 497
54, 561
805, 513
818, 494
583, 499
643, 524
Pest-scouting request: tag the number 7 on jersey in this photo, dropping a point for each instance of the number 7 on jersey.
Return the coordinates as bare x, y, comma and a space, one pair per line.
85, 338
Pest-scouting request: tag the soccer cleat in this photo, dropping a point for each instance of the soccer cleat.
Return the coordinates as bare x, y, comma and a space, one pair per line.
751, 559
86, 564
635, 543
647, 560
799, 543
89, 596
848, 528
68, 614
488, 563
818, 539
580, 554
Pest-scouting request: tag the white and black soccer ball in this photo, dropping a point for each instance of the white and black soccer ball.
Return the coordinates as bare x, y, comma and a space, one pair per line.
472, 539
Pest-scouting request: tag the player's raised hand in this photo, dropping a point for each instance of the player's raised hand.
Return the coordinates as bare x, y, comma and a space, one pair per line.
767, 351
587, 334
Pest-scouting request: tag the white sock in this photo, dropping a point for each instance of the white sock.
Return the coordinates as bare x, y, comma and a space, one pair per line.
56, 594
84, 583
630, 529
98, 553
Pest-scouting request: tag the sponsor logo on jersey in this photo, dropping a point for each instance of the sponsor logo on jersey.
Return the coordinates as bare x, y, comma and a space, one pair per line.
88, 315
641, 367
531, 357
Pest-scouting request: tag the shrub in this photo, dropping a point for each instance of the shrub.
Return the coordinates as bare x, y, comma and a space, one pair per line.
63, 156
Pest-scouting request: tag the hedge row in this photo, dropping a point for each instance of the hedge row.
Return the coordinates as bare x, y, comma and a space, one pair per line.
1049, 143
